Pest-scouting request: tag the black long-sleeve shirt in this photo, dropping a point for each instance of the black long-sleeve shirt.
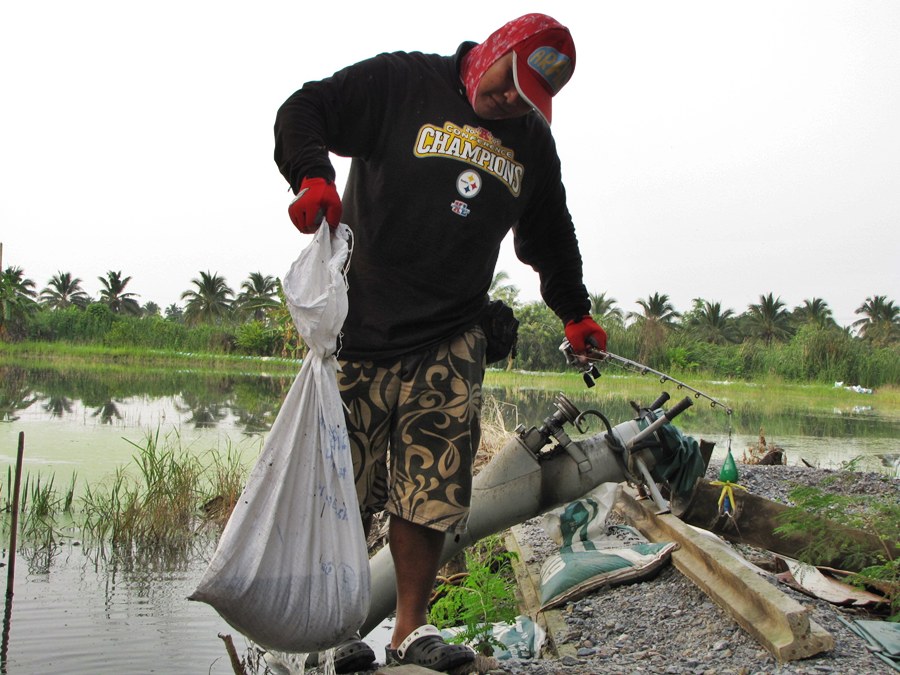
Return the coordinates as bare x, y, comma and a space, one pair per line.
432, 191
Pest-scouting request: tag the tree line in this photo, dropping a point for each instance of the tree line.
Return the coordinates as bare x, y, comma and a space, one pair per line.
767, 338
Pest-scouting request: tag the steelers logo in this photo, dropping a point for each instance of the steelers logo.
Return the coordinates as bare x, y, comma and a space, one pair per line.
468, 184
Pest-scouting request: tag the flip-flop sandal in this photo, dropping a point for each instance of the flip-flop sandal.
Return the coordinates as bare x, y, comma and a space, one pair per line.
353, 655
425, 647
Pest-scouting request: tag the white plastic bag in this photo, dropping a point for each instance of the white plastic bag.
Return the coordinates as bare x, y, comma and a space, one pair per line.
291, 570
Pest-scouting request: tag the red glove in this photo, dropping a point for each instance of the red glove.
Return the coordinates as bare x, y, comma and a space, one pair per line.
317, 197
584, 333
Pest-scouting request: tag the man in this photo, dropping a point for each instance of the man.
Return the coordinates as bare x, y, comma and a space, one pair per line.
449, 154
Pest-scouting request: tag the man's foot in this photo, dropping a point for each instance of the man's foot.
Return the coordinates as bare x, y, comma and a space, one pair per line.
353, 655
425, 647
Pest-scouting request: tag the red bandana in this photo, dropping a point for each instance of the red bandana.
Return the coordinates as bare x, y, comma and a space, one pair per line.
498, 44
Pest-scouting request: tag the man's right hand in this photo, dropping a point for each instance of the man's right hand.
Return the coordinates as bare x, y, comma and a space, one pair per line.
317, 198
584, 333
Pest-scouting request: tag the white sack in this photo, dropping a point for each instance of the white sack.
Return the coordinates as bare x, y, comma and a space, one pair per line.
291, 571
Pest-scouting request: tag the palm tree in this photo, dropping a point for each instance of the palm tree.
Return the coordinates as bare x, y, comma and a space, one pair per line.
150, 309
17, 299
881, 319
113, 294
657, 309
814, 311
654, 322
174, 313
63, 290
712, 324
768, 320
500, 290
604, 309
258, 293
211, 301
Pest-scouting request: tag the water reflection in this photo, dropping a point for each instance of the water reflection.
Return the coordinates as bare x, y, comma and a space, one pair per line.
108, 412
15, 394
110, 615
249, 403
58, 406
531, 406
204, 413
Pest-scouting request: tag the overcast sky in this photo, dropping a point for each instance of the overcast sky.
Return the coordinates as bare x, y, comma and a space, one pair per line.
714, 149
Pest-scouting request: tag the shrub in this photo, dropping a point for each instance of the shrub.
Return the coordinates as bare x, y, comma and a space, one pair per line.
72, 324
814, 509
482, 598
254, 337
152, 332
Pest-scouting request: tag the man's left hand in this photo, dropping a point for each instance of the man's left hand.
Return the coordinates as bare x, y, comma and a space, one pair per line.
317, 198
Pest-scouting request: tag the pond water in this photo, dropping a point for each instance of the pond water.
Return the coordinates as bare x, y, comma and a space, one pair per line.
71, 614
75, 611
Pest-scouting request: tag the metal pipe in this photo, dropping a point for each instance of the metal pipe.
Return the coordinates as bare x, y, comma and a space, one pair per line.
668, 416
658, 499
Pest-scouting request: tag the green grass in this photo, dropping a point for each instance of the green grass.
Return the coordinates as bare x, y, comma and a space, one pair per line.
767, 395
39, 502
94, 357
162, 503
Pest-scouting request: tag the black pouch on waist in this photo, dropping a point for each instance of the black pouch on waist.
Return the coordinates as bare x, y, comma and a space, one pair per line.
501, 327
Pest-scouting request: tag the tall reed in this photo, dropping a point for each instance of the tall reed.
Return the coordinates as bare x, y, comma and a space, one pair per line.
39, 503
161, 504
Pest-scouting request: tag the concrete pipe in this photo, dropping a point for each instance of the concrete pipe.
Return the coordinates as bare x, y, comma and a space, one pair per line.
536, 471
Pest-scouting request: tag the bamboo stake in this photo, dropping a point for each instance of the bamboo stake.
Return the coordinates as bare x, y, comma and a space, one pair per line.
11, 572
11, 563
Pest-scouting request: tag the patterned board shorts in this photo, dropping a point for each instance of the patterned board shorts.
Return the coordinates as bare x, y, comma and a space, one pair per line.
415, 426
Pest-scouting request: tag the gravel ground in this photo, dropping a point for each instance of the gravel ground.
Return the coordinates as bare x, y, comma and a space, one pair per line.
668, 625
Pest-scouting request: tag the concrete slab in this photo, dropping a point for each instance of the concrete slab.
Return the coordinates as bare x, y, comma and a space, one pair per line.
528, 577
779, 623
405, 670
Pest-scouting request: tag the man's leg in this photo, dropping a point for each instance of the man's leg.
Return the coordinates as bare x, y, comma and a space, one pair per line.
433, 444
416, 551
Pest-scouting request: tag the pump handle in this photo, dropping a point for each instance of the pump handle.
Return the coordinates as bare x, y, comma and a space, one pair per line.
663, 397
679, 407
